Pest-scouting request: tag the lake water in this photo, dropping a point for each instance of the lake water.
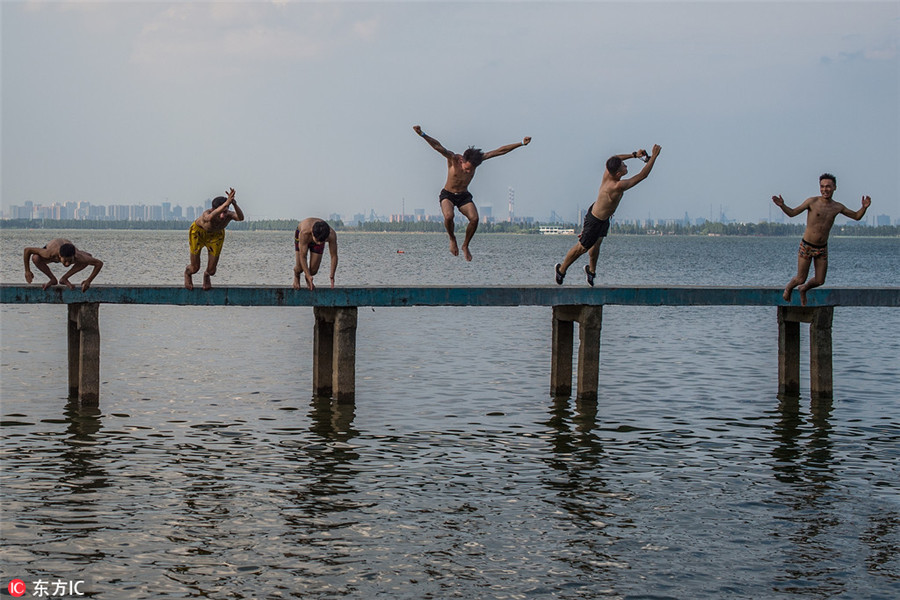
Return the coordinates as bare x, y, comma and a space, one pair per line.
210, 471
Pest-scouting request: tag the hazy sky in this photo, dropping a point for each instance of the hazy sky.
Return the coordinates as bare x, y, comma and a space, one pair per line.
307, 108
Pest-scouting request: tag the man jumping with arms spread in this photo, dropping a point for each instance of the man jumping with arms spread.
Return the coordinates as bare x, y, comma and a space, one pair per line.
460, 171
822, 211
596, 221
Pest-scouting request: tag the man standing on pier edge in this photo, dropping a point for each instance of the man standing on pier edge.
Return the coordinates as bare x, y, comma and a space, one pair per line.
209, 231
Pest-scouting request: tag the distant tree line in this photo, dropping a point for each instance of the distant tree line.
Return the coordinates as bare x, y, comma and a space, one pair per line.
706, 228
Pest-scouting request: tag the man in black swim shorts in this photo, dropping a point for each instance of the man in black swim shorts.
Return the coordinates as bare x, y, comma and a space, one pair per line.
458, 200
596, 221
592, 230
460, 171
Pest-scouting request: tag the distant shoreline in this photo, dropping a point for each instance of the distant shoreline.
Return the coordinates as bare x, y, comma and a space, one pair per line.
707, 229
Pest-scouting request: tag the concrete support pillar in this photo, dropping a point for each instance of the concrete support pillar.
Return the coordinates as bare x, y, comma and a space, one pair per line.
74, 350
561, 365
589, 352
820, 354
788, 353
84, 353
589, 319
334, 353
344, 380
323, 351
821, 384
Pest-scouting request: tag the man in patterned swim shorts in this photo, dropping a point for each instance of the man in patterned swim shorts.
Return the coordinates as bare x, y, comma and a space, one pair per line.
821, 212
596, 221
208, 231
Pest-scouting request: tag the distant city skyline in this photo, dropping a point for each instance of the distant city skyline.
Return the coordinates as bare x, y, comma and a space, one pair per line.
166, 211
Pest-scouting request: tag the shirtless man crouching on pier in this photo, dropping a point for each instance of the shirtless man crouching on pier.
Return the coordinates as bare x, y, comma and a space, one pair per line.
61, 251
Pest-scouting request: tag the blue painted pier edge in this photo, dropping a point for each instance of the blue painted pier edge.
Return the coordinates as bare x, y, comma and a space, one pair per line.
336, 314
448, 296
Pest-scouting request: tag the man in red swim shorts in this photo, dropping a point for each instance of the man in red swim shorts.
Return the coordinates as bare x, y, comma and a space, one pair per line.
309, 244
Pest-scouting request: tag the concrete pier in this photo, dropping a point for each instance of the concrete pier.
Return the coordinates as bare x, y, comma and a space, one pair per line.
820, 367
335, 310
84, 353
590, 320
334, 353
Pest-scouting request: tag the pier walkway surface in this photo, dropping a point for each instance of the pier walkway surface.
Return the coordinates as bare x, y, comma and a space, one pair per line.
334, 353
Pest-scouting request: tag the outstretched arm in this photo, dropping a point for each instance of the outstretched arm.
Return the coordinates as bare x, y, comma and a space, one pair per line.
791, 212
857, 215
332, 249
506, 149
636, 154
642, 175
433, 143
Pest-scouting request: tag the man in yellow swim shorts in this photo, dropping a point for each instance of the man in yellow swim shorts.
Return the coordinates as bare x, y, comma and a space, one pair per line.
208, 231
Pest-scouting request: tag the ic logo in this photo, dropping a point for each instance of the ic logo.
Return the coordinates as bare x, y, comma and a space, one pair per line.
16, 588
